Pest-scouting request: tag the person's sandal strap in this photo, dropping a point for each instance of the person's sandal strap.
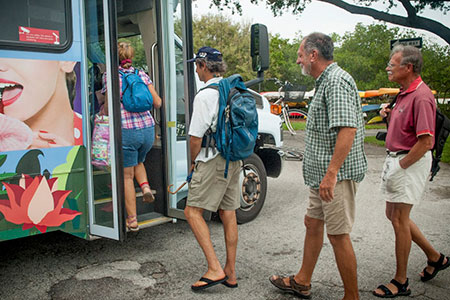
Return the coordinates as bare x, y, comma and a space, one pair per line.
386, 291
300, 290
399, 286
297, 286
437, 264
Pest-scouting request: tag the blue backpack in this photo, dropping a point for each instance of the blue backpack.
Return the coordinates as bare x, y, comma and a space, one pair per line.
237, 122
136, 96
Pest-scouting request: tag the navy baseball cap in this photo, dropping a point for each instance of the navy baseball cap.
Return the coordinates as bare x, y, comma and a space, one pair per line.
208, 53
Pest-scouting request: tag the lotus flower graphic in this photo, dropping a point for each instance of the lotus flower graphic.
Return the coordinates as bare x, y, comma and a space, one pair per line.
35, 202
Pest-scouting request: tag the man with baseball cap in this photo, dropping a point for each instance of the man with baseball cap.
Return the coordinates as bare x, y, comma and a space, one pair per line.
208, 188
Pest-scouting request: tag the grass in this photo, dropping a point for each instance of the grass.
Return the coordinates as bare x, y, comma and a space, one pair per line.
297, 125
372, 140
376, 126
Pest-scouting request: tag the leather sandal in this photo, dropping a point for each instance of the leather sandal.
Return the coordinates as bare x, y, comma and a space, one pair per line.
402, 290
130, 220
437, 265
299, 290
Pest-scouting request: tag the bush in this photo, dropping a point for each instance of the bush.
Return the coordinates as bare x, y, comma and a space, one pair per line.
445, 109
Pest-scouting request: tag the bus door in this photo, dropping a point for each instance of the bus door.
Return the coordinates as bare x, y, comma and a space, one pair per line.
105, 173
177, 42
139, 23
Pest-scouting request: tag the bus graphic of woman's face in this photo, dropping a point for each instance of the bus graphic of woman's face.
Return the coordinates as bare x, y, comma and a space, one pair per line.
31, 85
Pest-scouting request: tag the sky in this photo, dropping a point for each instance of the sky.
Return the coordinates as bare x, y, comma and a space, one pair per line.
318, 16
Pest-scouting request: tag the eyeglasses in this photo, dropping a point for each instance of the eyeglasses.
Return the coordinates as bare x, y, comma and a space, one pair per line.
389, 65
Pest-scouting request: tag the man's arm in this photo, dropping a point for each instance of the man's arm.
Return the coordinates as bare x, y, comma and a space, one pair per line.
195, 145
344, 143
424, 144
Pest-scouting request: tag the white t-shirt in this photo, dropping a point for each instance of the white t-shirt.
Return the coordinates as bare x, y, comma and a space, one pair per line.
204, 116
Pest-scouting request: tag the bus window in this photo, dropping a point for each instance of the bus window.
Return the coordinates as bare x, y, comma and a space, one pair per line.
36, 25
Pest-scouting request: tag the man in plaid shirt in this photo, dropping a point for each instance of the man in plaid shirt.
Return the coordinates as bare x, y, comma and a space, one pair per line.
334, 163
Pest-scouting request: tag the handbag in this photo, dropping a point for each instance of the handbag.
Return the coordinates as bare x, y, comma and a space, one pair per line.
100, 142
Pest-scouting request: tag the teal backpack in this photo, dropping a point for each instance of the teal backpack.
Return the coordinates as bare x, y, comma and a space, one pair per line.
237, 123
136, 96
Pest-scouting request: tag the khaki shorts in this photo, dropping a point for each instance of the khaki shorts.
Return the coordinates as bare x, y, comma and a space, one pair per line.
210, 190
339, 214
405, 185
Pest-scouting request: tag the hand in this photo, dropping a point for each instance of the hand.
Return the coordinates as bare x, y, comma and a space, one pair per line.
384, 112
326, 188
43, 139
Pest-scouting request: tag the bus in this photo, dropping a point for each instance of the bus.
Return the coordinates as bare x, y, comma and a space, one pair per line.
52, 57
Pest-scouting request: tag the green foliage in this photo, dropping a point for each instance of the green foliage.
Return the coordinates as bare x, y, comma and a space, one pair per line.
232, 39
436, 68
446, 153
364, 54
283, 56
139, 60
362, 7
445, 109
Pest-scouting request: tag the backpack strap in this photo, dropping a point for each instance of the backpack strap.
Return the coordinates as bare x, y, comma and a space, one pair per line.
208, 140
390, 105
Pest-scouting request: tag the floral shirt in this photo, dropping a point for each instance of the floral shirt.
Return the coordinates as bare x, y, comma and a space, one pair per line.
133, 120
335, 104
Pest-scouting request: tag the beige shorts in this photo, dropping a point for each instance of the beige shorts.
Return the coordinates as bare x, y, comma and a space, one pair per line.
405, 185
210, 190
339, 214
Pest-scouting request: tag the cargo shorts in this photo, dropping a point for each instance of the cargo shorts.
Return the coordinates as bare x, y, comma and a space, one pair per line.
210, 190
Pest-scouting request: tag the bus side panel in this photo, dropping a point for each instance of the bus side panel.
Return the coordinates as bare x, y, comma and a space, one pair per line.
42, 138
43, 190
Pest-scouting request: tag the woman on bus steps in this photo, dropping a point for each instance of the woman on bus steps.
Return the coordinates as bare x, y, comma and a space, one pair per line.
138, 135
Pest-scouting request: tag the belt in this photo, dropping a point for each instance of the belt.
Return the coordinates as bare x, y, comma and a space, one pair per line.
395, 154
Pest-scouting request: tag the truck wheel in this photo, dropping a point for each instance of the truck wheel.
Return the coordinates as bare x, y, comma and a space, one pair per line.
253, 188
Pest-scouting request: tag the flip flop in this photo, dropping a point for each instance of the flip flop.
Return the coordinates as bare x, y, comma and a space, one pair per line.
230, 285
209, 283
437, 265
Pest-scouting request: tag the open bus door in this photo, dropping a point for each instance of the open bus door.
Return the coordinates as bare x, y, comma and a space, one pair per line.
106, 216
150, 28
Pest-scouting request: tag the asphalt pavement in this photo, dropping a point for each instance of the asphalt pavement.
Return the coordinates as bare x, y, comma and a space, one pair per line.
162, 262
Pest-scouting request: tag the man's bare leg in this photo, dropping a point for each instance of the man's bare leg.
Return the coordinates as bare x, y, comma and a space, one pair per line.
201, 232
230, 229
311, 251
346, 262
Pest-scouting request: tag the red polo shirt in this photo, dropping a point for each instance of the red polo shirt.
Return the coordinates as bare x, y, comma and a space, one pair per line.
414, 114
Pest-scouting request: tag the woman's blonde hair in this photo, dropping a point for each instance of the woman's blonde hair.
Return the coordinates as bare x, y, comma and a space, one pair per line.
126, 51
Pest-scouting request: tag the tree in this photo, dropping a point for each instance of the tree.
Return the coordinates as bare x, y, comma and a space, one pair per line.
365, 51
232, 39
364, 54
412, 8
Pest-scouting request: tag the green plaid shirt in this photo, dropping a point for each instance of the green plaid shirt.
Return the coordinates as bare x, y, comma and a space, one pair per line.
336, 103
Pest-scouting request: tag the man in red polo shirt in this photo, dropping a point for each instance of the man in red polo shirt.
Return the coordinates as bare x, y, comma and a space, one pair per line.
409, 139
